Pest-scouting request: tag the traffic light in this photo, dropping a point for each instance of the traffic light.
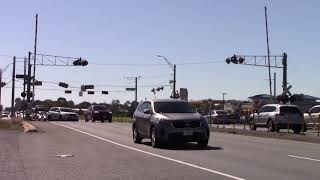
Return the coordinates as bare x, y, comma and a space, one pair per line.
235, 60
68, 91
80, 62
105, 92
63, 85
153, 90
160, 88
292, 99
23, 94
241, 60
228, 60
285, 99
3, 84
90, 92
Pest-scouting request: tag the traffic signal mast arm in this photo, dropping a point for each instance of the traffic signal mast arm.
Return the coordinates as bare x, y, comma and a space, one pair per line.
275, 61
52, 60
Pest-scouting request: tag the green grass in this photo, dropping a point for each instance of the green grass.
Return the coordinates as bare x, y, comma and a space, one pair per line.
11, 125
121, 119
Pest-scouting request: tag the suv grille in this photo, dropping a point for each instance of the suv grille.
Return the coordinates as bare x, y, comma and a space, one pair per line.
186, 124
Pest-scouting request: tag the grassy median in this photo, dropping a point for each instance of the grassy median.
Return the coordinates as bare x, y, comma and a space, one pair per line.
10, 124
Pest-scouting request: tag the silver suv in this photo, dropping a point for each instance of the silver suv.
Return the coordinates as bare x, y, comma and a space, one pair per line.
312, 117
169, 120
276, 117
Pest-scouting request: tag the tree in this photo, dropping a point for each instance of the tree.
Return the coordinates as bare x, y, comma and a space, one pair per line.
83, 105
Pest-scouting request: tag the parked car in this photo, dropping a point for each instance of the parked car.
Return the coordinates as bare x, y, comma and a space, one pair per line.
312, 117
5, 114
220, 117
62, 114
169, 120
98, 113
276, 117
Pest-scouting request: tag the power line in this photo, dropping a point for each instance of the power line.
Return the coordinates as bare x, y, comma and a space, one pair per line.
159, 64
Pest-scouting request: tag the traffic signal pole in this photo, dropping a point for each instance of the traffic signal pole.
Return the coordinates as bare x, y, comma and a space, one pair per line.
13, 87
28, 85
174, 82
285, 67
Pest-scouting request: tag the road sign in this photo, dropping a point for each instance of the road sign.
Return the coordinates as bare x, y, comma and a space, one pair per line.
63, 85
286, 91
184, 94
21, 76
88, 86
130, 89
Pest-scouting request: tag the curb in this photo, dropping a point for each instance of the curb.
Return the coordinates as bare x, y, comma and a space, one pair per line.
28, 127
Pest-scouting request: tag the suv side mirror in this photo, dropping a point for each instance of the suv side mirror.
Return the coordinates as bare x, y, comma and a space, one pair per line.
147, 111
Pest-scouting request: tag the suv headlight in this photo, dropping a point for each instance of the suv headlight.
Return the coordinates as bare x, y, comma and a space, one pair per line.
164, 122
96, 112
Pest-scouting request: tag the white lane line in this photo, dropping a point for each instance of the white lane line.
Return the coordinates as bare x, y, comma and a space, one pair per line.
152, 154
300, 157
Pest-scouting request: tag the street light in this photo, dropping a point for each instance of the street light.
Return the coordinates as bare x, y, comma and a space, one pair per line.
173, 67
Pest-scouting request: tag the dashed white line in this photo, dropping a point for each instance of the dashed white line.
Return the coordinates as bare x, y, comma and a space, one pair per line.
152, 154
306, 158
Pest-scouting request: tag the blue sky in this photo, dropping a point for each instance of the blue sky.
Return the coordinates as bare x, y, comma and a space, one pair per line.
129, 32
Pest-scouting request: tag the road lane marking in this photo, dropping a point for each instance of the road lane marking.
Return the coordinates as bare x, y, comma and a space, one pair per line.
152, 154
300, 157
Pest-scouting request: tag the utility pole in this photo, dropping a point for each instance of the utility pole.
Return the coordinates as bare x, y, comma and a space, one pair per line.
285, 66
24, 74
268, 49
35, 57
13, 87
223, 94
174, 81
275, 84
28, 84
136, 87
173, 67
0, 92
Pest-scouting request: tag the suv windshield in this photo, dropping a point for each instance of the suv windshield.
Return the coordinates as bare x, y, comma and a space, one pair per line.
66, 110
99, 108
173, 107
289, 109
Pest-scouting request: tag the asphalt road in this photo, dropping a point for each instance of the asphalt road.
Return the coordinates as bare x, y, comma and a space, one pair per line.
106, 151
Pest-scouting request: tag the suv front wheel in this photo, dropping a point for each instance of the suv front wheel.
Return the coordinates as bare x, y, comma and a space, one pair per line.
135, 135
155, 142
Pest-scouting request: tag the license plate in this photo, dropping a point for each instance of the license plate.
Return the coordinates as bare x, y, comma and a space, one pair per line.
187, 133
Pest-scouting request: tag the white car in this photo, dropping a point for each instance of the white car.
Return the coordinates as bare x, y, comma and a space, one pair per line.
276, 117
312, 117
62, 114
